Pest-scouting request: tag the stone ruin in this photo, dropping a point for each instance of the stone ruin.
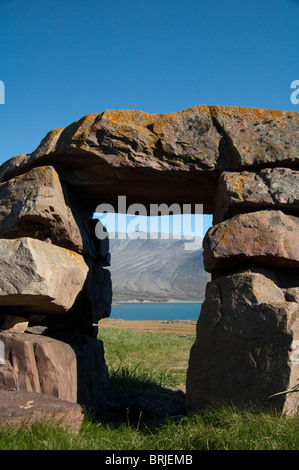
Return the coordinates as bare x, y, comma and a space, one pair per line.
241, 164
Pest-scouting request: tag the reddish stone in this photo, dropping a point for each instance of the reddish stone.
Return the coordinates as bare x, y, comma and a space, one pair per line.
21, 408
39, 364
263, 238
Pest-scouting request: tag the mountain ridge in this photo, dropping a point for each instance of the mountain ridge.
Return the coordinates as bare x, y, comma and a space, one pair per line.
157, 269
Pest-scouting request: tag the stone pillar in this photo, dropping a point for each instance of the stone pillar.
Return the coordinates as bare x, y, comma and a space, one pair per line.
247, 343
53, 291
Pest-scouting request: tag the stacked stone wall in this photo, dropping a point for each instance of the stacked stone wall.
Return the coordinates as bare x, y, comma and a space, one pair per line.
247, 342
240, 163
54, 289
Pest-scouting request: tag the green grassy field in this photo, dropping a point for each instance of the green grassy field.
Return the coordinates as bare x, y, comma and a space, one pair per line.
157, 349
146, 405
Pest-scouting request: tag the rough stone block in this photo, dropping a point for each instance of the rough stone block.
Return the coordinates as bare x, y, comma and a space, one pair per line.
98, 292
37, 363
246, 191
253, 136
263, 238
39, 277
70, 367
20, 408
246, 347
93, 377
33, 205
174, 157
13, 323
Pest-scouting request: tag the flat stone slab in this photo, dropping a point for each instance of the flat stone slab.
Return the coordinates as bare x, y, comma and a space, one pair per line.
155, 158
18, 409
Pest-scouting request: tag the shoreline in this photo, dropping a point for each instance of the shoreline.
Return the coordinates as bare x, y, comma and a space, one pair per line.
178, 321
177, 327
156, 311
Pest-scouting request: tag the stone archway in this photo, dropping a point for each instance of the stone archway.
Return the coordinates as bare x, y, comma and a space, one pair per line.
240, 163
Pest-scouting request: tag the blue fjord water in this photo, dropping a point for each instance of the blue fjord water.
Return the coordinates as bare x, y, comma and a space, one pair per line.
155, 311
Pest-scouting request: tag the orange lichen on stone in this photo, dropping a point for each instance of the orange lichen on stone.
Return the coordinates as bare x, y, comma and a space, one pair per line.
84, 127
254, 115
238, 182
54, 132
51, 135
160, 123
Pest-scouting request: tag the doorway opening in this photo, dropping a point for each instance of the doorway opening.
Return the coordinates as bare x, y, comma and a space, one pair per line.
158, 284
156, 260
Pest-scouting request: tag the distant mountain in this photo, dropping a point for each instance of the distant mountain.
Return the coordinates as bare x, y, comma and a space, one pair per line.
157, 270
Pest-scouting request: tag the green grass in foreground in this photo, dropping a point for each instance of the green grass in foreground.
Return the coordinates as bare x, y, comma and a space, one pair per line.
144, 370
222, 429
162, 357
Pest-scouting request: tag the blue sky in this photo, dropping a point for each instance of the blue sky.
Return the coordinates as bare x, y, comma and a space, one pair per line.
61, 60
189, 225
